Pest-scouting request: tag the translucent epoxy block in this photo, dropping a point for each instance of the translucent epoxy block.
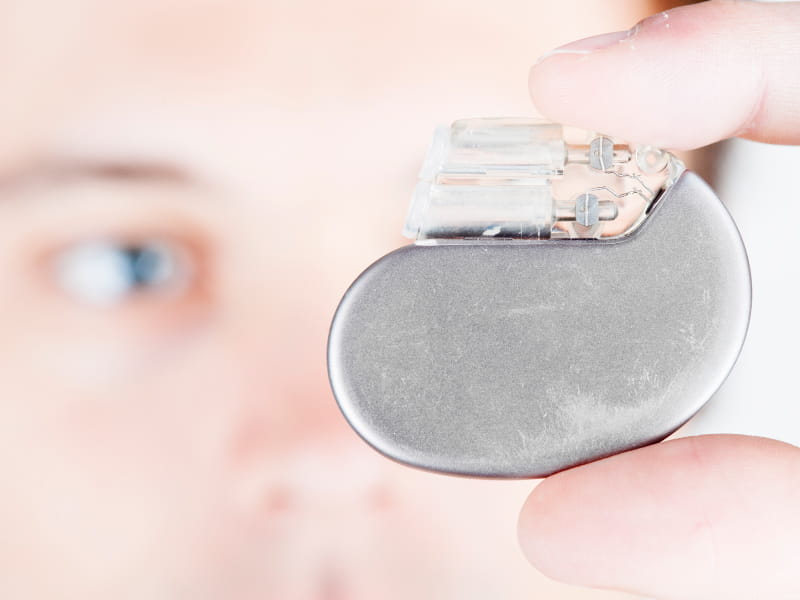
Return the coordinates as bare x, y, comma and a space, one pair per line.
512, 178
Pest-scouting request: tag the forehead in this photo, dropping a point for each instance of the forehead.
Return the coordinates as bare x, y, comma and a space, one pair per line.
274, 79
306, 46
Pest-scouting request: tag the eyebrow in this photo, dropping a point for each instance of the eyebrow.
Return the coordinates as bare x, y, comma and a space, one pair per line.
116, 170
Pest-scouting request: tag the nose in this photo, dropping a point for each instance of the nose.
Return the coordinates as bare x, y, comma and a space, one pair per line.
296, 451
296, 448
330, 476
336, 474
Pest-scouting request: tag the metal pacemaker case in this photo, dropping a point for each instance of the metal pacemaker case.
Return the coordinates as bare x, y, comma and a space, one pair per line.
563, 302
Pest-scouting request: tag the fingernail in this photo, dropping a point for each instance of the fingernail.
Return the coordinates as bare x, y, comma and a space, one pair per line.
590, 44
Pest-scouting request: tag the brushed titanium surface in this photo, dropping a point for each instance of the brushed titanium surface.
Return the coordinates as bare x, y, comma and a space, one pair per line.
523, 359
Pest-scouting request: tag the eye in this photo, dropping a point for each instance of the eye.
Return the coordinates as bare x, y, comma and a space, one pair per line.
104, 273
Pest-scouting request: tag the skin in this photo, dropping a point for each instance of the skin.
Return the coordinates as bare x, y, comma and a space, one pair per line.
181, 441
694, 518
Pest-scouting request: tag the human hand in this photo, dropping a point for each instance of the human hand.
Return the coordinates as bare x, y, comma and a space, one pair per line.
695, 518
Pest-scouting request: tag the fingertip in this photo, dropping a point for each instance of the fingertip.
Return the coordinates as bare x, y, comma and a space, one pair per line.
718, 510
680, 79
540, 532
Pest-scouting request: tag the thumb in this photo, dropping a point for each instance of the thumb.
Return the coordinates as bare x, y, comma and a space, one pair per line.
683, 78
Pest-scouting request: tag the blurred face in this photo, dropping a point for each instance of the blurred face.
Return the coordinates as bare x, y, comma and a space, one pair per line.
186, 190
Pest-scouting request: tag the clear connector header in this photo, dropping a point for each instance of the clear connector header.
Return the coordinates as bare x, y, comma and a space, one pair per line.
514, 178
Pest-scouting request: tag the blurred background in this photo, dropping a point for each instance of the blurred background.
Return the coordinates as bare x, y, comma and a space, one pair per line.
186, 190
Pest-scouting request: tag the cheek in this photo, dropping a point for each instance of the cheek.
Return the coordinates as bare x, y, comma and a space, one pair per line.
128, 477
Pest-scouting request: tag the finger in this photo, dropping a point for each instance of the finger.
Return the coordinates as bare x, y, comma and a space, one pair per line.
696, 518
684, 78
